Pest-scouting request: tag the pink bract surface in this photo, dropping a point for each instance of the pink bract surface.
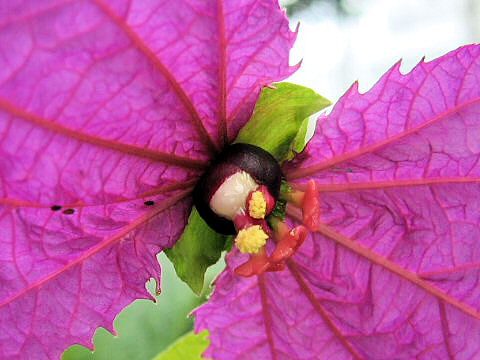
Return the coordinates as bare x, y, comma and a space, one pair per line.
103, 106
393, 271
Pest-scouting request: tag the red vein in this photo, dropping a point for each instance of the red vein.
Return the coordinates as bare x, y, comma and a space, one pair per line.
388, 184
188, 185
266, 315
223, 129
20, 203
396, 269
167, 188
464, 267
134, 150
152, 57
445, 329
100, 246
312, 169
320, 310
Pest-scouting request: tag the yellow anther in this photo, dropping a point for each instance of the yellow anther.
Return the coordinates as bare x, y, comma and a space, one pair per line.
257, 206
251, 239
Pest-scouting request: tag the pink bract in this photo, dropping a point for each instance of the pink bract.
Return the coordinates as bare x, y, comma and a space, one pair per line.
393, 271
105, 105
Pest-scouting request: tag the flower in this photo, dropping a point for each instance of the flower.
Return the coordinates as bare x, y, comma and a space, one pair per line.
110, 113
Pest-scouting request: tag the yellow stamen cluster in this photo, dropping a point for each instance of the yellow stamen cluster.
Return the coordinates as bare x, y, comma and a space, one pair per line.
257, 206
251, 239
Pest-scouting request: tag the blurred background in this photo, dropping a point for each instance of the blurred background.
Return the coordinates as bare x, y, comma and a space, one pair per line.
340, 41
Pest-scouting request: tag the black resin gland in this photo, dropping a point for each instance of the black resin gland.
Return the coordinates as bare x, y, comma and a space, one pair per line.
224, 190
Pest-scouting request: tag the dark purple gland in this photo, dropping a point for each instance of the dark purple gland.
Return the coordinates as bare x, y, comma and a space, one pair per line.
237, 193
222, 192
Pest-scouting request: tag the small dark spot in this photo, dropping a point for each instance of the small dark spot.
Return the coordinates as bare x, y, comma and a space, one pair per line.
149, 203
55, 207
68, 211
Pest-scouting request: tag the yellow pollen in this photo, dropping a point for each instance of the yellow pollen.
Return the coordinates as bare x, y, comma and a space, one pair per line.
251, 239
257, 206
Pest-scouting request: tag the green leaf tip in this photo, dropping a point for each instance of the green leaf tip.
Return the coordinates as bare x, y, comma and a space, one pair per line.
198, 248
280, 120
188, 347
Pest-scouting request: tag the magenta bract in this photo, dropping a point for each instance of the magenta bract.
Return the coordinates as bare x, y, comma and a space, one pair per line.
392, 272
106, 107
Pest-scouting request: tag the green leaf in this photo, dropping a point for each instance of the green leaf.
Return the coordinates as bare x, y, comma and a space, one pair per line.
188, 347
280, 120
198, 248
300, 140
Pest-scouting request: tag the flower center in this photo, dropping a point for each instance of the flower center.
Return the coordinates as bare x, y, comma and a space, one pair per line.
257, 205
238, 194
231, 196
251, 239
224, 189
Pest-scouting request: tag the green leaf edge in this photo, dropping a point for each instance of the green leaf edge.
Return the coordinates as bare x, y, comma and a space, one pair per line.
182, 257
188, 347
276, 106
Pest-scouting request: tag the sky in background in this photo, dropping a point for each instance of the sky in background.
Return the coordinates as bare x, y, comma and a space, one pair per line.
369, 36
